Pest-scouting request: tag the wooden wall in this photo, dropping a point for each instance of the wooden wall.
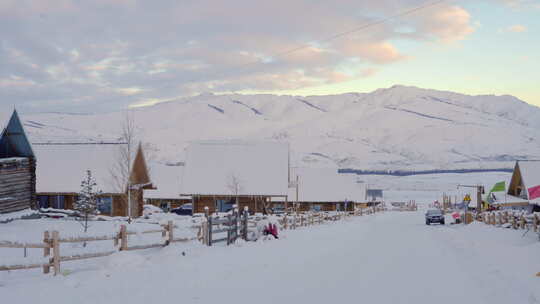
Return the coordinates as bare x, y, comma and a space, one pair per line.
17, 184
254, 203
174, 202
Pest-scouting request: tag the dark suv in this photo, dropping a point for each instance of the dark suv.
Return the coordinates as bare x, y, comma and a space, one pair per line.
185, 209
434, 216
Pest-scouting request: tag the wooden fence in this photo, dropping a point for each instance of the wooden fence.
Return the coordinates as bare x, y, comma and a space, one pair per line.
52, 241
229, 224
235, 225
238, 224
510, 219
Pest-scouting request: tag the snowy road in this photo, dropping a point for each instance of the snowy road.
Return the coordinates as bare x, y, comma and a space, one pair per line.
385, 258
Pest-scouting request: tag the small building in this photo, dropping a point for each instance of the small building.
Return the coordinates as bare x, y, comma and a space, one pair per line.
64, 166
374, 197
17, 168
324, 189
219, 174
524, 186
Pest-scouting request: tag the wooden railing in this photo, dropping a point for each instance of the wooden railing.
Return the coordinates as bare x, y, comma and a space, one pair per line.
513, 220
52, 241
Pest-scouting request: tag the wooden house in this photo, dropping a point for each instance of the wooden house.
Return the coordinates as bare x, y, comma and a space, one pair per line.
219, 174
17, 168
64, 166
323, 189
524, 187
167, 196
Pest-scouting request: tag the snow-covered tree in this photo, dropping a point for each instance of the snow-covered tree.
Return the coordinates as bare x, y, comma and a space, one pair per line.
86, 203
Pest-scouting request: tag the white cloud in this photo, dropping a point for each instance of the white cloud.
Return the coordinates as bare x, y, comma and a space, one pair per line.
517, 28
170, 48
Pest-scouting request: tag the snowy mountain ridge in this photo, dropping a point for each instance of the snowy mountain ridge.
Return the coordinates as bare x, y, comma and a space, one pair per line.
392, 128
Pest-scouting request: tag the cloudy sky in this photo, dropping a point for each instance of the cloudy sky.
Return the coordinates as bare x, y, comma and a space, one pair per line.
100, 55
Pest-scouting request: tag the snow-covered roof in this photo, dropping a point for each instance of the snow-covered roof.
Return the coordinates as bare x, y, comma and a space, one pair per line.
167, 179
260, 168
61, 168
502, 198
325, 185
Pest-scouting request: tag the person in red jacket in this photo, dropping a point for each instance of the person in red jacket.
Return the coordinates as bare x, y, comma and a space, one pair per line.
271, 229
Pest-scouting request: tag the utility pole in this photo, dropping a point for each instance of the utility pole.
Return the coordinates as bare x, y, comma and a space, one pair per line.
479, 192
297, 185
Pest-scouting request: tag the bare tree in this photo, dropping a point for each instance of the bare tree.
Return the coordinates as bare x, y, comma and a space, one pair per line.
235, 186
121, 170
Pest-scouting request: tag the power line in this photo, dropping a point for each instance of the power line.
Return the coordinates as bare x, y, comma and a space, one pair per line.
363, 27
348, 32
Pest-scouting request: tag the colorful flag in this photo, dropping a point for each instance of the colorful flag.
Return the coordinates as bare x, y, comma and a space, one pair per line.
498, 187
534, 192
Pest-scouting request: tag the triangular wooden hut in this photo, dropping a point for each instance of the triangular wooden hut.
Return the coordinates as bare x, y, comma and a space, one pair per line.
17, 168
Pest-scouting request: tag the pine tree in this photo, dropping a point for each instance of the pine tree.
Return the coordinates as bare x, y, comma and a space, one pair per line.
86, 203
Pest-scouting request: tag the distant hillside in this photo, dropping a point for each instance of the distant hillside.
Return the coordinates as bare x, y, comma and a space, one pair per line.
397, 128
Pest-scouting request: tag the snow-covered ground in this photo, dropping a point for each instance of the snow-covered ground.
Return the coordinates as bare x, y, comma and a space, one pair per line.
388, 257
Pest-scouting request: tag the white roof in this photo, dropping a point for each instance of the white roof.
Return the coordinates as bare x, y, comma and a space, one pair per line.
167, 180
503, 198
325, 185
61, 168
261, 168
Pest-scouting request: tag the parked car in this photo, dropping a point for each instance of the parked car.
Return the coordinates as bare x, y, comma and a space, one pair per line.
434, 216
185, 209
278, 210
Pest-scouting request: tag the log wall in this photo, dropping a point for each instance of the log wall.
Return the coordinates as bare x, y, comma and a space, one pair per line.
17, 184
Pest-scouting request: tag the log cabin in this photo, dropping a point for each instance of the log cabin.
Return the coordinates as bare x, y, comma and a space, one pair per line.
17, 168
220, 174
323, 189
167, 196
64, 166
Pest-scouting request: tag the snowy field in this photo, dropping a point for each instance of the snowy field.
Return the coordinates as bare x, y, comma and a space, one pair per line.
427, 188
388, 257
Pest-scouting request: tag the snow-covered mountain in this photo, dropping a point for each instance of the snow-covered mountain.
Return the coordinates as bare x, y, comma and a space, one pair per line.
393, 128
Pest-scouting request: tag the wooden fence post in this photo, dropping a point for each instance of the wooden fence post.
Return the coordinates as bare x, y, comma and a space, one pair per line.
123, 238
245, 223
170, 228
56, 252
229, 227
46, 250
210, 230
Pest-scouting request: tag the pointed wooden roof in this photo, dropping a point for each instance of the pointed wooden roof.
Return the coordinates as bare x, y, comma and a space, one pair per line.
139, 171
13, 140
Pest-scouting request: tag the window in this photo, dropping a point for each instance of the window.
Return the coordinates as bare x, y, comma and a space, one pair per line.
165, 206
43, 201
57, 201
104, 205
